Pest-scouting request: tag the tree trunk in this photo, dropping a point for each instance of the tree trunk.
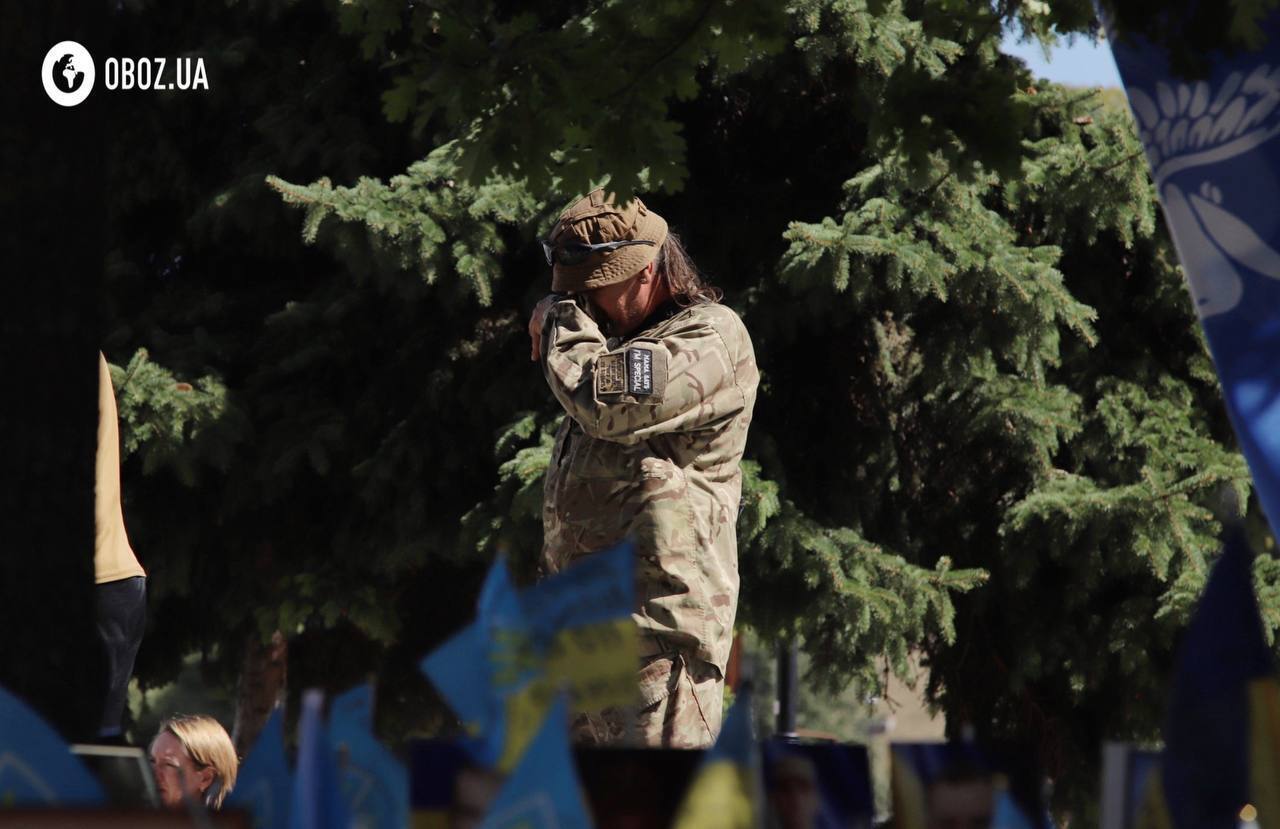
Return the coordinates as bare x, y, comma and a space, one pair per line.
261, 688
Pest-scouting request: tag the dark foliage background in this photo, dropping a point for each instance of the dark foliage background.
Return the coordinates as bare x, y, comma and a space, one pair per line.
988, 430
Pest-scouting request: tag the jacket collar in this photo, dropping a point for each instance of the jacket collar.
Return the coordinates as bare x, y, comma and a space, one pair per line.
664, 312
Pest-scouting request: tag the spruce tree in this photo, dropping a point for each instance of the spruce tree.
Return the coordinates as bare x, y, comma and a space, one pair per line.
987, 430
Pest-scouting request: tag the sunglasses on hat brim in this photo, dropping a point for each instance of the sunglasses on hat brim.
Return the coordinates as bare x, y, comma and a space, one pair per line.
575, 253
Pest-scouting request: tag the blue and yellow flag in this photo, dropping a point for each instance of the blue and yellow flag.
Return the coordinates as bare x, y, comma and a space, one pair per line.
1221, 762
726, 792
1213, 147
572, 631
543, 792
374, 783
581, 619
479, 689
264, 785
36, 767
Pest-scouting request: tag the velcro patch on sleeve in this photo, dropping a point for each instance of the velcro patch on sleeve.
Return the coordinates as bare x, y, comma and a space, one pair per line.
611, 374
639, 371
646, 371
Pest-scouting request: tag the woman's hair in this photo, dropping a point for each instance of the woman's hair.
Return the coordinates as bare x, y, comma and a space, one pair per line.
206, 742
687, 286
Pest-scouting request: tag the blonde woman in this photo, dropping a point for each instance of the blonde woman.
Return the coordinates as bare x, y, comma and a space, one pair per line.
192, 757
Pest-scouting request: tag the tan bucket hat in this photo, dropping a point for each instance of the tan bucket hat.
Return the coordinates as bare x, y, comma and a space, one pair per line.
595, 219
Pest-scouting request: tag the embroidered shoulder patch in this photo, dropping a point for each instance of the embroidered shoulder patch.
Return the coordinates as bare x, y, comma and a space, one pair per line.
611, 374
640, 371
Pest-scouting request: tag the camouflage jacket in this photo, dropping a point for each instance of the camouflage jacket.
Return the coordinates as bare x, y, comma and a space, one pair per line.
650, 449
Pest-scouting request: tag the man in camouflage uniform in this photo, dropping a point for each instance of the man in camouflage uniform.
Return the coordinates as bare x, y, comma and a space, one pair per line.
657, 380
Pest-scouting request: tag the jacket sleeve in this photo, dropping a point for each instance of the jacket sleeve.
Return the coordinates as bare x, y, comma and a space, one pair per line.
683, 380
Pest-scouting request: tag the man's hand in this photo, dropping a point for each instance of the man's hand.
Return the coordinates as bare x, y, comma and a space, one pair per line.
535, 324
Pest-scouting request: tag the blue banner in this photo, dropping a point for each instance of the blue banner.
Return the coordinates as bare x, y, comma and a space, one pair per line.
374, 783
317, 794
36, 767
1211, 145
1007, 813
264, 785
1222, 737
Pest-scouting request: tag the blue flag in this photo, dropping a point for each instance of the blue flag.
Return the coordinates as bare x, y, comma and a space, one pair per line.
597, 589
461, 678
477, 688
1222, 738
507, 634
317, 789
543, 792
1213, 151
511, 665
572, 630
375, 785
264, 785
581, 627
36, 767
1006, 814
726, 791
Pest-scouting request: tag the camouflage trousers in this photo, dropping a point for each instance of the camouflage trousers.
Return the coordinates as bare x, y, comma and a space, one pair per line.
681, 702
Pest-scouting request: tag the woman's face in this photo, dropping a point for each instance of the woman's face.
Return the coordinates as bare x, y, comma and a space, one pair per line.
176, 772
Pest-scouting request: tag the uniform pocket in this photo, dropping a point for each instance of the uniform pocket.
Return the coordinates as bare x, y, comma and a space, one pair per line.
658, 678
665, 524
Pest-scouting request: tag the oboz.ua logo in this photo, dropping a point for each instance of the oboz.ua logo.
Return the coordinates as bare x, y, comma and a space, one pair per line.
67, 73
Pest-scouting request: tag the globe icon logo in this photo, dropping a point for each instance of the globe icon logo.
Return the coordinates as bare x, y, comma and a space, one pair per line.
67, 73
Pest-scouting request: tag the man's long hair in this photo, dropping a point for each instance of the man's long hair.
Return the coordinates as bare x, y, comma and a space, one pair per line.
687, 286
